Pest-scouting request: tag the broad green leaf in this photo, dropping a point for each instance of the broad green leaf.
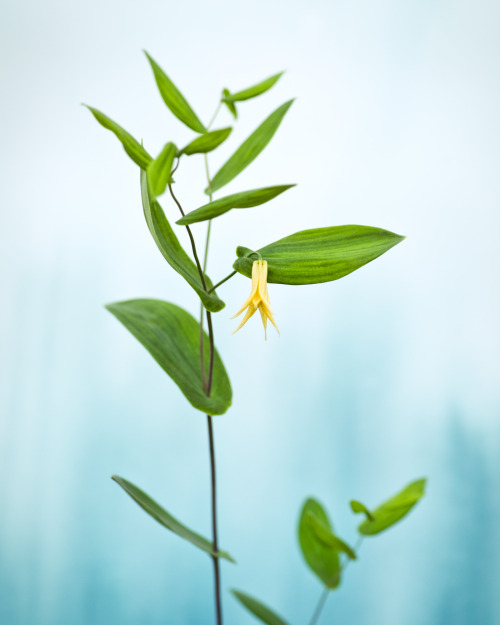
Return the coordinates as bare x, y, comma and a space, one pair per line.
172, 336
258, 609
392, 510
249, 149
174, 99
322, 558
159, 170
322, 254
254, 91
329, 538
167, 520
207, 142
245, 199
229, 103
132, 147
172, 250
357, 507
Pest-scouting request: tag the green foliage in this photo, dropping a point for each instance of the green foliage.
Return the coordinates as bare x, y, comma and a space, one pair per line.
174, 99
258, 609
327, 537
172, 250
167, 520
244, 199
207, 142
357, 507
322, 558
392, 510
132, 147
159, 170
172, 336
249, 149
253, 91
320, 255
229, 103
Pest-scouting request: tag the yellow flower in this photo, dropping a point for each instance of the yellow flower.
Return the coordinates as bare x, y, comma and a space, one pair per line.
259, 297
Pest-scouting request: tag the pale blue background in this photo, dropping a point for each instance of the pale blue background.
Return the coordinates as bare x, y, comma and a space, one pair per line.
380, 378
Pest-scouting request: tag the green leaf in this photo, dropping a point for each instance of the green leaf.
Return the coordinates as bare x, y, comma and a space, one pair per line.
172, 336
322, 254
159, 170
258, 609
172, 250
230, 105
167, 520
393, 510
329, 538
245, 199
132, 147
174, 99
254, 91
249, 149
322, 558
207, 142
357, 507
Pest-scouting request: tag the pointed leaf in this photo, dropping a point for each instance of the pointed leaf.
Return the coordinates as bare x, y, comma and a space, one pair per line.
159, 170
322, 558
258, 609
172, 250
207, 142
249, 149
254, 91
167, 520
172, 336
245, 199
229, 103
394, 509
322, 254
329, 538
174, 99
132, 147
357, 507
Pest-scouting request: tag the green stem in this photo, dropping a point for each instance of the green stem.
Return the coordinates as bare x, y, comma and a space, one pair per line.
222, 281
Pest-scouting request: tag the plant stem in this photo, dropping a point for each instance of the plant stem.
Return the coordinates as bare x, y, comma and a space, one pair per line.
222, 281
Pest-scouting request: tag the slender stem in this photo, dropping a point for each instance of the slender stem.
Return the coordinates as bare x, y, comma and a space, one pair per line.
319, 607
222, 281
214, 115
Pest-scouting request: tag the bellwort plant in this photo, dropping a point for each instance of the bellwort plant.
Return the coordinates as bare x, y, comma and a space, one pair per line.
185, 349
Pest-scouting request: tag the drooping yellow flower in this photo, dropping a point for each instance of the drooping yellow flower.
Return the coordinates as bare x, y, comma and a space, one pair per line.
259, 298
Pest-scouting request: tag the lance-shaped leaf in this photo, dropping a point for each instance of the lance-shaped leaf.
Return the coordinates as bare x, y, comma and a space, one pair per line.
172, 250
245, 199
249, 149
326, 536
229, 103
358, 507
320, 255
392, 510
322, 558
159, 170
207, 142
258, 609
174, 99
132, 147
172, 336
254, 91
167, 520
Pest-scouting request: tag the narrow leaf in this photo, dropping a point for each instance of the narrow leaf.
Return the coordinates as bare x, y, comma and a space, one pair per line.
258, 609
249, 149
322, 558
329, 538
172, 336
207, 142
245, 199
357, 507
159, 170
172, 250
174, 99
132, 147
229, 103
321, 254
254, 91
394, 509
167, 520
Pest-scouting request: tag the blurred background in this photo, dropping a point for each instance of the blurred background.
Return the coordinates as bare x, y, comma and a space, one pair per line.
385, 376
